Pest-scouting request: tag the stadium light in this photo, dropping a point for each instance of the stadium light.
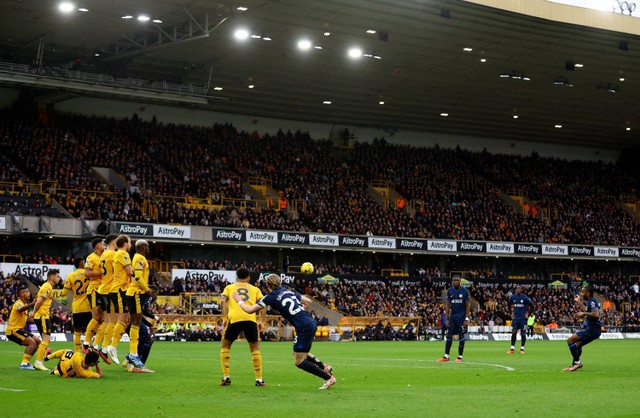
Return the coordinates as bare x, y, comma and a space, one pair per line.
66, 7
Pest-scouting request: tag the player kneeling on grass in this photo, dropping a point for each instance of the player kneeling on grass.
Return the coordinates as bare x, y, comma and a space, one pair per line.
291, 306
75, 364
591, 328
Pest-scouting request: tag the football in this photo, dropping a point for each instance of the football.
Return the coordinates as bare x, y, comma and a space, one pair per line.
306, 268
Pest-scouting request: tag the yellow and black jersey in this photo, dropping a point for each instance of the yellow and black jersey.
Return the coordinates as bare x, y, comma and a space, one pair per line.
121, 279
106, 264
46, 293
250, 296
92, 263
77, 284
17, 320
71, 366
140, 280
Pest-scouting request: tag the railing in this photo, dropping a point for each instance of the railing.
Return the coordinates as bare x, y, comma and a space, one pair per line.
12, 257
102, 79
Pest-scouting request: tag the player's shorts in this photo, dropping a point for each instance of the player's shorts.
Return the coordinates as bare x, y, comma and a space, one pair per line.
134, 303
304, 338
518, 324
18, 336
43, 324
456, 326
103, 302
589, 334
117, 302
81, 320
94, 299
249, 328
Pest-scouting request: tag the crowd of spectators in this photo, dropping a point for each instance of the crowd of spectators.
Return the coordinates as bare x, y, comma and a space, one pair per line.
459, 193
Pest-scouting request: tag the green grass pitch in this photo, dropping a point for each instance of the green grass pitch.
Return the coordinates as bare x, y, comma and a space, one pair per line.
386, 379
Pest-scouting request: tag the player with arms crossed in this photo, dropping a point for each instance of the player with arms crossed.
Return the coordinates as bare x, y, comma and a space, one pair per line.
457, 310
121, 281
15, 328
235, 320
110, 319
291, 306
521, 305
591, 328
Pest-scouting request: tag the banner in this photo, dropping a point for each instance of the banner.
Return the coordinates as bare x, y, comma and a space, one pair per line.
580, 250
207, 275
3, 223
293, 238
172, 231
555, 249
471, 247
500, 247
382, 243
605, 251
262, 237
411, 244
528, 249
630, 252
134, 229
437, 245
220, 234
323, 240
352, 241
35, 270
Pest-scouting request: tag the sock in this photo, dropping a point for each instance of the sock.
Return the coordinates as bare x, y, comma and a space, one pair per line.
224, 361
315, 360
57, 354
256, 357
143, 351
108, 334
77, 341
523, 341
99, 335
461, 347
513, 341
41, 349
574, 352
134, 336
447, 347
513, 347
310, 367
579, 353
91, 331
26, 358
117, 333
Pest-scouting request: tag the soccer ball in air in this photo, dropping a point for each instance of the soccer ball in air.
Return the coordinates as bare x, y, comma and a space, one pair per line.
306, 268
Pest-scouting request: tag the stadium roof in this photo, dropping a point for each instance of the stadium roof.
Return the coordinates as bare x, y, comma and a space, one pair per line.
415, 62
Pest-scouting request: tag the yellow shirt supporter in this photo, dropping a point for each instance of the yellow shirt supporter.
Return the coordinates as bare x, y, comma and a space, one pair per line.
17, 320
93, 264
46, 292
140, 280
121, 280
71, 366
77, 283
250, 296
106, 263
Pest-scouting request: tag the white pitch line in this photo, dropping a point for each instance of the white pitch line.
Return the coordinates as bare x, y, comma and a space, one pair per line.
12, 390
510, 369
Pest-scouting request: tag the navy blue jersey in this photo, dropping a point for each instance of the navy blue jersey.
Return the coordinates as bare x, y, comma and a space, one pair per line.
589, 321
520, 302
287, 302
458, 299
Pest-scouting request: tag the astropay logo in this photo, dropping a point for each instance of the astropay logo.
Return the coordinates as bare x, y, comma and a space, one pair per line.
324, 240
266, 237
376, 242
133, 229
411, 244
292, 238
171, 231
555, 249
347, 241
227, 235
605, 251
449, 246
500, 247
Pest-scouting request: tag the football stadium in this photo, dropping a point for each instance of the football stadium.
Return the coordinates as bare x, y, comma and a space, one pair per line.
352, 208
